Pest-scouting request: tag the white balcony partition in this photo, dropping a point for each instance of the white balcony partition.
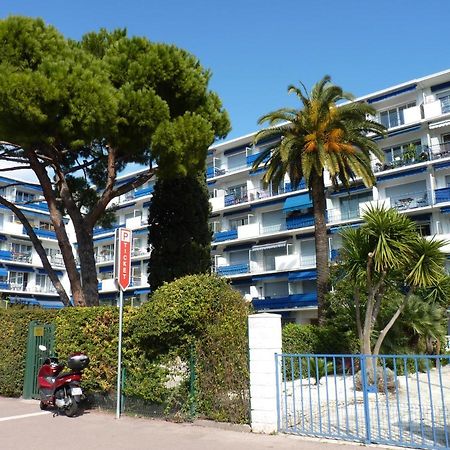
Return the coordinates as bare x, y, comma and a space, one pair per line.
432, 109
286, 262
217, 203
109, 284
411, 115
250, 230
133, 222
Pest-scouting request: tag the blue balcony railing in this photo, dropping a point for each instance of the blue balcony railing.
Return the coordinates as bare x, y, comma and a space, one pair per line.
4, 285
252, 158
5, 255
225, 235
233, 269
299, 222
442, 195
142, 192
100, 230
41, 205
287, 302
214, 172
49, 234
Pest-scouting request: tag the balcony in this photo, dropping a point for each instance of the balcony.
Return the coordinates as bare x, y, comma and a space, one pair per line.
225, 235
409, 201
143, 192
442, 195
212, 172
292, 301
252, 158
112, 229
5, 255
48, 234
233, 269
22, 257
303, 221
57, 260
104, 257
338, 214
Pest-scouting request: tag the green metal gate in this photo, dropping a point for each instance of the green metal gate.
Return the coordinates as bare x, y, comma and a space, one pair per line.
38, 334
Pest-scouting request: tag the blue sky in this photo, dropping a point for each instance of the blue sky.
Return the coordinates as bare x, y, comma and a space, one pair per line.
256, 48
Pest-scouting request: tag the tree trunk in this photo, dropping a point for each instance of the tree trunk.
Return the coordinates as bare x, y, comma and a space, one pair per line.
321, 241
87, 264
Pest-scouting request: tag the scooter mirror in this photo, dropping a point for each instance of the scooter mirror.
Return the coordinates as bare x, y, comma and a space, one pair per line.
42, 348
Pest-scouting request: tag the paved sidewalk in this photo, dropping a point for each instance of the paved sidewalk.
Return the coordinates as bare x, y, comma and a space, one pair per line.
22, 429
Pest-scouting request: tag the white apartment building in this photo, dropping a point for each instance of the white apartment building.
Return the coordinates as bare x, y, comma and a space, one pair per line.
264, 236
22, 277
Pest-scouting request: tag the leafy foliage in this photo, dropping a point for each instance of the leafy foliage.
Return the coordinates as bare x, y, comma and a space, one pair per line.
179, 233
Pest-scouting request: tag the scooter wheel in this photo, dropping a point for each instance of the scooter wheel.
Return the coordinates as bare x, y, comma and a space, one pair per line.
72, 409
43, 406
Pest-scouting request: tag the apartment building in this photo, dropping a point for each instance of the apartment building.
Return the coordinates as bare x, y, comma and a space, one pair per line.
22, 277
264, 236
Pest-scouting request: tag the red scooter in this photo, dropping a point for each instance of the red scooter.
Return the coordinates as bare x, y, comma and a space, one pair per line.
61, 389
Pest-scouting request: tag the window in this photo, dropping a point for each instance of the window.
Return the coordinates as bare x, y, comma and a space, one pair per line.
394, 117
21, 252
234, 223
24, 197
237, 161
238, 191
43, 283
18, 280
350, 204
445, 102
423, 228
136, 275
106, 253
46, 226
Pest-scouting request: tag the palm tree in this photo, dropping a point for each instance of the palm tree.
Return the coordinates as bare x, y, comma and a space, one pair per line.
320, 136
387, 252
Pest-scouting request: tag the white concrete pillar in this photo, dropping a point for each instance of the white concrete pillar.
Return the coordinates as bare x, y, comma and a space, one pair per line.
264, 337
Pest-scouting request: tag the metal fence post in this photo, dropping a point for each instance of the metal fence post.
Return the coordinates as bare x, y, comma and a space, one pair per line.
364, 383
192, 383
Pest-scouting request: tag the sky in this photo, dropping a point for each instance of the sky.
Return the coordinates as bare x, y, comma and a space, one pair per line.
257, 48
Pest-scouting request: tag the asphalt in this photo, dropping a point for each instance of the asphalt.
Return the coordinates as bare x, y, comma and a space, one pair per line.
24, 427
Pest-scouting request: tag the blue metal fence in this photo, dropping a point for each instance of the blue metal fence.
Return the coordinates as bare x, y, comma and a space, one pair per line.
401, 400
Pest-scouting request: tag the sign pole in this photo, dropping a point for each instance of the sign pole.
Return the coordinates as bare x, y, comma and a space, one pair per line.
119, 358
122, 272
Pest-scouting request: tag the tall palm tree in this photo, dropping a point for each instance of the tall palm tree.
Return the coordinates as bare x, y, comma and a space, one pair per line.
320, 136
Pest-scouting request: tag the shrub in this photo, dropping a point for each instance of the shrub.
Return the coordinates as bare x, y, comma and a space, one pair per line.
14, 325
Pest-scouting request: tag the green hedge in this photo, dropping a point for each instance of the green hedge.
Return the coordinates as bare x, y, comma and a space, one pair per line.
14, 329
198, 312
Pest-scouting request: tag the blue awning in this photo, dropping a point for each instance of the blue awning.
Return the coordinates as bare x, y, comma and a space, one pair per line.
409, 88
50, 304
3, 237
303, 275
401, 173
104, 239
269, 276
24, 300
106, 269
59, 273
440, 87
445, 210
141, 231
19, 268
142, 291
301, 201
442, 165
